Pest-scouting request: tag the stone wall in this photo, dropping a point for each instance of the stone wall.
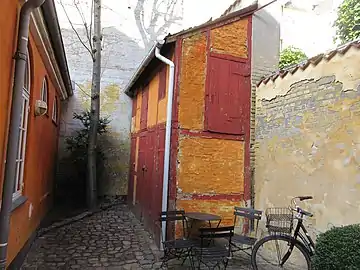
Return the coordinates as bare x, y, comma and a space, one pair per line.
307, 140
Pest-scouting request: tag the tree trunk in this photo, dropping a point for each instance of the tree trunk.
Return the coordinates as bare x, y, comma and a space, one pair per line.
94, 109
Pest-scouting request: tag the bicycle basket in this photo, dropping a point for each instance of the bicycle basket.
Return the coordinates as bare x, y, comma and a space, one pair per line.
279, 220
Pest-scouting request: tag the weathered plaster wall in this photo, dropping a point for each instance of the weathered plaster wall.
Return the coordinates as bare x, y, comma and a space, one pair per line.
212, 169
116, 70
192, 82
210, 166
307, 140
231, 39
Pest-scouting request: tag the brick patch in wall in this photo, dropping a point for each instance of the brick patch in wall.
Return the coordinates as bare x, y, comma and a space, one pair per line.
285, 113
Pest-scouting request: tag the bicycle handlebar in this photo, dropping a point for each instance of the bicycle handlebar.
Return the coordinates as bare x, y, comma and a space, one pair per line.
297, 208
303, 198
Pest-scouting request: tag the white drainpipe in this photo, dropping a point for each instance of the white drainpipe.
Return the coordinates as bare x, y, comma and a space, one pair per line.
170, 94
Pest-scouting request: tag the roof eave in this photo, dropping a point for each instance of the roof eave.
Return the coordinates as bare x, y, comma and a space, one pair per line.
143, 65
146, 61
237, 14
51, 20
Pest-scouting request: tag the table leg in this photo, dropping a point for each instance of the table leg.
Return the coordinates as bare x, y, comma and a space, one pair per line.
218, 224
190, 229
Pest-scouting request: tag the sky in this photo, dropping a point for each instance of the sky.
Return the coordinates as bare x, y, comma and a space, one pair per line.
119, 14
314, 35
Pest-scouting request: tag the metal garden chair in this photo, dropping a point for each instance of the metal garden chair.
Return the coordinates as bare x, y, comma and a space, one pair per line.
248, 219
215, 249
179, 247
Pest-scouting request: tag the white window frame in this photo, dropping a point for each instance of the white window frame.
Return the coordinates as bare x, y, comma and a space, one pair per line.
44, 91
23, 128
55, 110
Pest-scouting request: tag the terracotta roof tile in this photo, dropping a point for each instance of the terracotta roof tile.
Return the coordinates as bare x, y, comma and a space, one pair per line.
311, 61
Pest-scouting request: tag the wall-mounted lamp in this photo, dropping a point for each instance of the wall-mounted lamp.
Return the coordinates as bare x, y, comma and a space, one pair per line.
40, 107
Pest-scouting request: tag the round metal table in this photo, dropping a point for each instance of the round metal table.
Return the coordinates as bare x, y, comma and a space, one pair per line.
201, 217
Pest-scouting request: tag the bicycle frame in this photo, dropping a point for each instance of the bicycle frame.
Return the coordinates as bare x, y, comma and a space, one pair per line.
306, 240
300, 230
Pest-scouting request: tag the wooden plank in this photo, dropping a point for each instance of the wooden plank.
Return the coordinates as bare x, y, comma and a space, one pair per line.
144, 108
162, 82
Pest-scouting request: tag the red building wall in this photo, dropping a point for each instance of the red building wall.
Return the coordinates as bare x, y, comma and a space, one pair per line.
209, 165
147, 149
214, 97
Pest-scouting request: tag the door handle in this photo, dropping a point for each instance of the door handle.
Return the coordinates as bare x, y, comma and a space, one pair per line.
144, 168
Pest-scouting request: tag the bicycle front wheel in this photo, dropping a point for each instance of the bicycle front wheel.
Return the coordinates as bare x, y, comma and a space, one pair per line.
280, 252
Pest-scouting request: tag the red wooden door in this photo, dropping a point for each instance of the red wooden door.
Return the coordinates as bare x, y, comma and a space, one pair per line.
158, 185
149, 174
144, 108
141, 170
132, 170
228, 96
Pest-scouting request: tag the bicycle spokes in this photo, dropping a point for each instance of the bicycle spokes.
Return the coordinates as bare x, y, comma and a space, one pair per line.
280, 254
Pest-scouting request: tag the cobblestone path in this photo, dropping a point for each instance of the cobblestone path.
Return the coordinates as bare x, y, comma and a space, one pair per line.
112, 239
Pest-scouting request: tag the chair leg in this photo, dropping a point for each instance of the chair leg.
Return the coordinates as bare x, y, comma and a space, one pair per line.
226, 263
199, 263
192, 263
165, 258
163, 264
186, 256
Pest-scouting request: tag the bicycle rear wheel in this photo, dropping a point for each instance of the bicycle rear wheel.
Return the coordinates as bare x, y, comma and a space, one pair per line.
276, 252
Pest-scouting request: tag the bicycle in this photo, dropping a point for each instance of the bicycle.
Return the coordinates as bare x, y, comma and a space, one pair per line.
280, 224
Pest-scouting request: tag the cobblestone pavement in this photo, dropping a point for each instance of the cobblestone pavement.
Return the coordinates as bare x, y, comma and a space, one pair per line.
111, 239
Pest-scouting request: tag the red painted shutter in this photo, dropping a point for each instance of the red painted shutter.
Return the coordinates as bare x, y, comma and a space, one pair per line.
228, 96
144, 108
162, 83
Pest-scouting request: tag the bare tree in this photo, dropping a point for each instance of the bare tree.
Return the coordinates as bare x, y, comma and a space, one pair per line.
92, 43
164, 13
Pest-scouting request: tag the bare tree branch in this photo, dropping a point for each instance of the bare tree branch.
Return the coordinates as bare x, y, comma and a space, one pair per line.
91, 20
154, 15
151, 31
139, 18
88, 35
82, 90
76, 32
